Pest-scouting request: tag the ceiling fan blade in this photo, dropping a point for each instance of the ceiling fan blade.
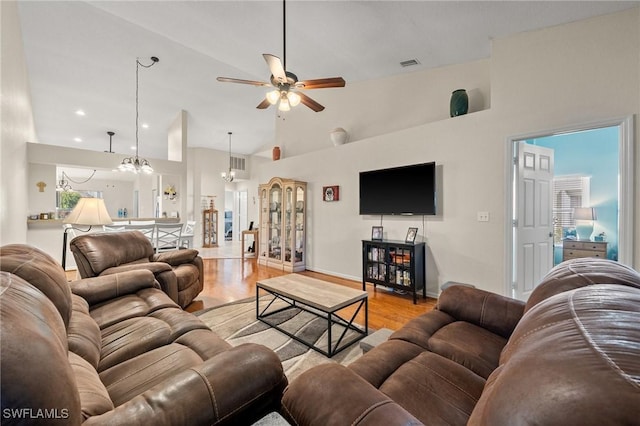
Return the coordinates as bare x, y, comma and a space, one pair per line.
276, 68
310, 102
237, 80
321, 83
264, 104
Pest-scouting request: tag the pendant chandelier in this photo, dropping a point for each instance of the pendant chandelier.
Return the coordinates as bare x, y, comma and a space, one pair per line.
137, 164
63, 184
228, 176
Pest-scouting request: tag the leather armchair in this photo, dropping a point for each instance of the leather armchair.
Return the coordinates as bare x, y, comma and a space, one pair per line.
179, 272
117, 350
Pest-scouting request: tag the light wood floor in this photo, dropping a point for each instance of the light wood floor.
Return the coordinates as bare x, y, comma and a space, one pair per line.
228, 280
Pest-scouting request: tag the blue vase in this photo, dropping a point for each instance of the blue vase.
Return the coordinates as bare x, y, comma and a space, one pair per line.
459, 104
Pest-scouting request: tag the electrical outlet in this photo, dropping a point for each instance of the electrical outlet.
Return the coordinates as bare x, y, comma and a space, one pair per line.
483, 216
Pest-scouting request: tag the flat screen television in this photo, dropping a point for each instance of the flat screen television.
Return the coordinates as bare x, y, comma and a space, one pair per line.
399, 190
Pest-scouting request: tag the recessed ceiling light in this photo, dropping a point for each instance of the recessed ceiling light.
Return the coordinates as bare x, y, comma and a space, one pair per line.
77, 139
133, 147
145, 126
80, 112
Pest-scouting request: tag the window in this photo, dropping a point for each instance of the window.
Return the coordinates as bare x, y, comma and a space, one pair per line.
569, 192
67, 200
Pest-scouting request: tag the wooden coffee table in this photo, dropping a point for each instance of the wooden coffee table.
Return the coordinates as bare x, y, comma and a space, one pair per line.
319, 298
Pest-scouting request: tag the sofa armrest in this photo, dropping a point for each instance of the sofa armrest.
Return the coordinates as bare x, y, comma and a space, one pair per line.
106, 287
334, 394
237, 386
176, 257
162, 271
155, 267
496, 313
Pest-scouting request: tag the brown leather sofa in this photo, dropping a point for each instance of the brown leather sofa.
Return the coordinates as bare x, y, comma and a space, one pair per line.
179, 272
116, 350
571, 355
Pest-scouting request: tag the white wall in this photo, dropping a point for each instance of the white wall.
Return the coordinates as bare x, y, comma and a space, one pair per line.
117, 194
17, 128
557, 77
45, 201
370, 108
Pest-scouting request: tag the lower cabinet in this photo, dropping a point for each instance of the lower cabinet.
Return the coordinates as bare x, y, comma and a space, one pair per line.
395, 264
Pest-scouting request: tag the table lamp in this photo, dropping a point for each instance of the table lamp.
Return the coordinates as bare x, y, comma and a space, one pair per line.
88, 211
584, 217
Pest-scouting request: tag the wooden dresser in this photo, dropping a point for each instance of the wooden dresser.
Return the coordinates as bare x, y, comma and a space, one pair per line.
572, 249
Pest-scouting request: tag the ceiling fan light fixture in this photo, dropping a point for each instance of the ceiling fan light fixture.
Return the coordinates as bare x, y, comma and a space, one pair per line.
273, 97
283, 80
284, 104
293, 98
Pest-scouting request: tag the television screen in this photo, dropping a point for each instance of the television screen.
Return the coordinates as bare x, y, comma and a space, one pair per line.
399, 190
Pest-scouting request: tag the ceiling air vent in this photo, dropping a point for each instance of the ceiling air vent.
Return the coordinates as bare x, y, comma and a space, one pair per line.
409, 63
238, 163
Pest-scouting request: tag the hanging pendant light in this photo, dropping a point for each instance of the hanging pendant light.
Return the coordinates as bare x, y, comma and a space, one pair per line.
63, 184
136, 164
229, 175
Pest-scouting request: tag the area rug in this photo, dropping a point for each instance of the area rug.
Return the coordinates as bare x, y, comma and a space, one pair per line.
236, 323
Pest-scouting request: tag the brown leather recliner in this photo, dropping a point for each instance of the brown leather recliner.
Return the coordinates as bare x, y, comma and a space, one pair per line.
569, 356
116, 350
179, 272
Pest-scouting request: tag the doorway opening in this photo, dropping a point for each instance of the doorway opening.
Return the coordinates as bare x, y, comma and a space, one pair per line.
592, 173
235, 214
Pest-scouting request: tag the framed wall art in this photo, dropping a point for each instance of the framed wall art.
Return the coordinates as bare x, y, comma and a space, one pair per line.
331, 193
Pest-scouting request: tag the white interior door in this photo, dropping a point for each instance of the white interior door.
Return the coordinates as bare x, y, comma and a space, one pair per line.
240, 212
533, 221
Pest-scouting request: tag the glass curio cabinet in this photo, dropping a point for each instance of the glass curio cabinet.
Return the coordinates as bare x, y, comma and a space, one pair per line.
282, 224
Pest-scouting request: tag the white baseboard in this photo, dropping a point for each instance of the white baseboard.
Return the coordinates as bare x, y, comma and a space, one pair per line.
335, 274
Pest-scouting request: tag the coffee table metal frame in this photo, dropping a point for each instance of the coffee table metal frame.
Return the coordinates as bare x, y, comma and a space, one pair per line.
330, 313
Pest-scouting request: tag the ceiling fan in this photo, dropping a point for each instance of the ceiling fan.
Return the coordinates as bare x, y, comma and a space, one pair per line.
287, 92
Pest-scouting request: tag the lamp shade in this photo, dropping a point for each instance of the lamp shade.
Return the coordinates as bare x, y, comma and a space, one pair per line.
89, 211
584, 213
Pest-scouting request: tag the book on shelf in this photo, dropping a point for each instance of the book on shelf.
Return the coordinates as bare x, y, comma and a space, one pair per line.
376, 254
382, 271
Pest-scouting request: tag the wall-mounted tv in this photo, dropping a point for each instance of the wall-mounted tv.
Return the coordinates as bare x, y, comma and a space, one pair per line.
399, 190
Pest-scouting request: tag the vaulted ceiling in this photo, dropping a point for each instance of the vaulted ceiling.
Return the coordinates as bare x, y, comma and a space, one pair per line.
81, 56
